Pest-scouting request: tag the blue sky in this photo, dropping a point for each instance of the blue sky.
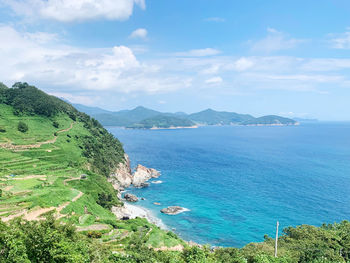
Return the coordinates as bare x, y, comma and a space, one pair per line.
259, 57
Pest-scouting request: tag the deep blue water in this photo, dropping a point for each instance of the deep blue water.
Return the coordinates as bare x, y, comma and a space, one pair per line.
238, 181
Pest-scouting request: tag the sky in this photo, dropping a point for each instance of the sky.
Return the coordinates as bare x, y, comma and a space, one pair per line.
260, 57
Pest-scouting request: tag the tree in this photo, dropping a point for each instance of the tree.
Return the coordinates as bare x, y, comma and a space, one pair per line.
22, 127
55, 124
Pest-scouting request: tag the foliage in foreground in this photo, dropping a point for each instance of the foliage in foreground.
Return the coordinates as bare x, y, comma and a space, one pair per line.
51, 241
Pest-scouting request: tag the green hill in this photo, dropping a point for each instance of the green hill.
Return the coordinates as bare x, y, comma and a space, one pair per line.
163, 121
60, 162
270, 120
142, 117
212, 117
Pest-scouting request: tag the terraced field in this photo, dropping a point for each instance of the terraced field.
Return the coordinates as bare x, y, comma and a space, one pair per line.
40, 172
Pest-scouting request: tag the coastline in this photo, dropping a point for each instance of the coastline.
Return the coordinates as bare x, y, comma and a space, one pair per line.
133, 211
174, 128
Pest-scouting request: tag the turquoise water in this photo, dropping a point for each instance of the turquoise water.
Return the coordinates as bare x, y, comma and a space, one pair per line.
238, 181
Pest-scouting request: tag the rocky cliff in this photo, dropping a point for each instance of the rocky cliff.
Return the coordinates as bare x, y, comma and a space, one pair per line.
123, 177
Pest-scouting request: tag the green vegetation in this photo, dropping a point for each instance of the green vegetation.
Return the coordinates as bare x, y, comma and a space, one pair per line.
40, 172
270, 120
22, 127
212, 117
144, 118
162, 121
51, 241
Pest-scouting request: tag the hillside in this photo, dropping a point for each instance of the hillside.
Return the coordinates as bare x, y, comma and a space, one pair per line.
59, 163
270, 120
144, 118
212, 117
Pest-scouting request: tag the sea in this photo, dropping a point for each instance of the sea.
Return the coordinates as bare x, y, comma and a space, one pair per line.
238, 181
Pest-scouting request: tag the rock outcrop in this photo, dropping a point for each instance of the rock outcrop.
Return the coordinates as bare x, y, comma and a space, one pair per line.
130, 197
173, 210
122, 177
143, 174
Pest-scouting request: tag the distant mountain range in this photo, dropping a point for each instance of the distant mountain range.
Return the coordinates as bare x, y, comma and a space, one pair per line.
144, 118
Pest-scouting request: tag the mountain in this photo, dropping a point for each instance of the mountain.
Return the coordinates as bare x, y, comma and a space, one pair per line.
142, 117
270, 120
136, 115
90, 110
212, 117
163, 122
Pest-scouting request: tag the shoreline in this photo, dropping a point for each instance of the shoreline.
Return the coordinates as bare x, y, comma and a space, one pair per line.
133, 211
173, 128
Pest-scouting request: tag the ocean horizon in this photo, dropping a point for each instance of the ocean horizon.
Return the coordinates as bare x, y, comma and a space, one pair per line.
237, 181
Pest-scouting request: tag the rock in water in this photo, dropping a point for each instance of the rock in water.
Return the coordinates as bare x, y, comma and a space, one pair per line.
143, 174
130, 197
173, 210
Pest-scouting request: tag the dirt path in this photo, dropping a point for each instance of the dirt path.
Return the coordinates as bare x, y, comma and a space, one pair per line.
29, 177
71, 179
175, 248
93, 227
10, 146
36, 213
8, 188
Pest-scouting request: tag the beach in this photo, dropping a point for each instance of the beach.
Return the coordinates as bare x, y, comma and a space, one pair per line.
133, 211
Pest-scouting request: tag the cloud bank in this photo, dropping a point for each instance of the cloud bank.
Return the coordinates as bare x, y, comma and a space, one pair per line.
74, 10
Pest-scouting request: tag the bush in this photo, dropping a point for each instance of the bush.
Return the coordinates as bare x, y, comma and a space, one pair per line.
94, 234
55, 124
22, 127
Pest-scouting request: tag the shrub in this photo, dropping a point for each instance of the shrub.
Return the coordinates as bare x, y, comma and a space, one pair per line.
22, 127
55, 124
94, 234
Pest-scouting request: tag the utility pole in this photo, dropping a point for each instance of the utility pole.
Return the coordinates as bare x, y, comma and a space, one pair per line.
276, 240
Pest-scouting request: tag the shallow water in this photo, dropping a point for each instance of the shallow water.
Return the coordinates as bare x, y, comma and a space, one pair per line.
238, 181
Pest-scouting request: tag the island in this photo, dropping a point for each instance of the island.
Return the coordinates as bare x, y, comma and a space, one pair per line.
144, 118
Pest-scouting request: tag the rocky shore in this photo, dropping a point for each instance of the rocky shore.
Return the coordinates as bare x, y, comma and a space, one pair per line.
129, 211
123, 177
174, 210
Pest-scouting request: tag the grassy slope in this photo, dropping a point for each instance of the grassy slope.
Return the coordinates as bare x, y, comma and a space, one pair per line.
40, 175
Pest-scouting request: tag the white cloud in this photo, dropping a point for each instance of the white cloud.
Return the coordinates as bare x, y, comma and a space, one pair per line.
215, 19
214, 80
75, 10
274, 41
139, 33
64, 67
205, 52
243, 64
41, 59
341, 41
